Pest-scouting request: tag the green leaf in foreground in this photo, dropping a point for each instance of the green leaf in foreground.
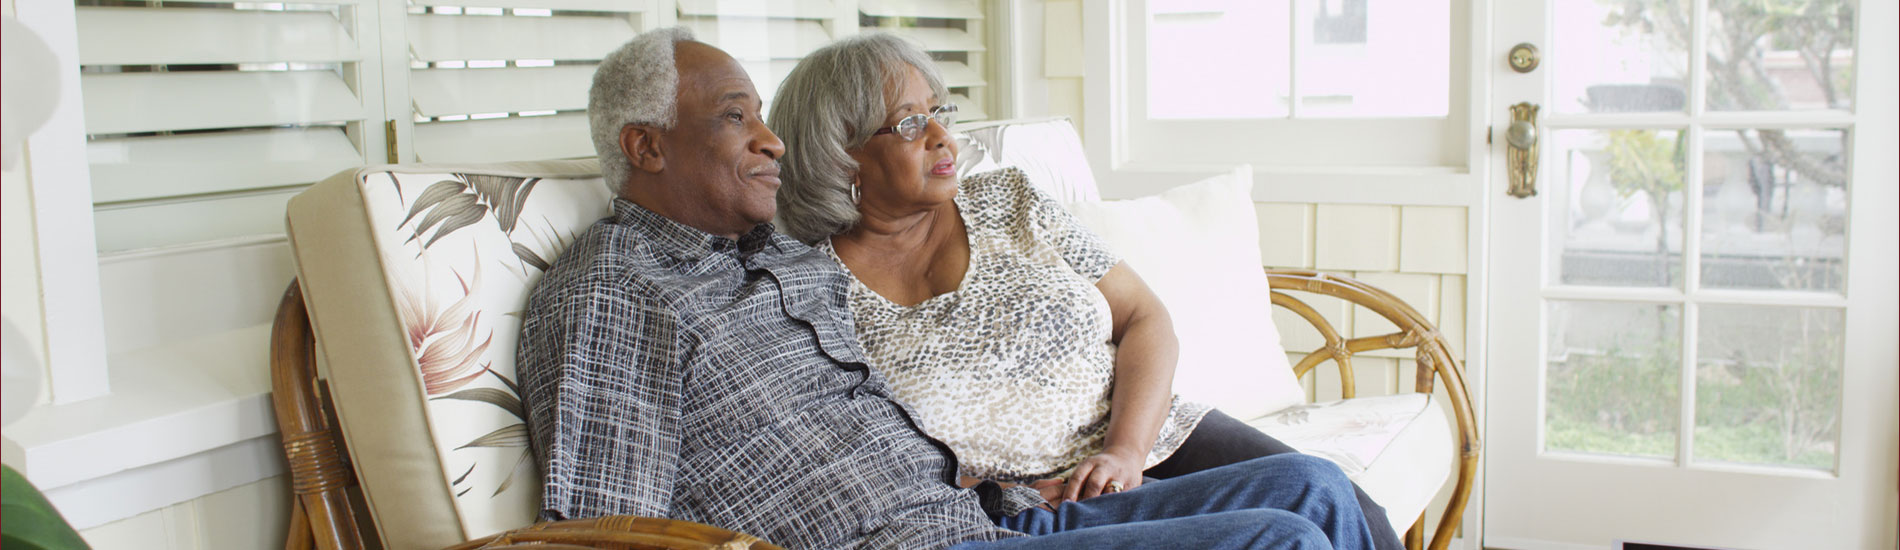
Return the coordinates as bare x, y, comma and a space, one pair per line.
28, 521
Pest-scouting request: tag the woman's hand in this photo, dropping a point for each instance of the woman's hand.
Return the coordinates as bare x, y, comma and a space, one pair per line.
1051, 490
1111, 471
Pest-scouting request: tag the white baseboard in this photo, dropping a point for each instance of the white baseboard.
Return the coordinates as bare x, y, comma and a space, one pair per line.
1511, 543
96, 502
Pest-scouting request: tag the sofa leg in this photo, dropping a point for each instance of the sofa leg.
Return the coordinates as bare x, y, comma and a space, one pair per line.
1415, 537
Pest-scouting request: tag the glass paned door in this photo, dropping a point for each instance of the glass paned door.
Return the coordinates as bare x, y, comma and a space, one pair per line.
1684, 343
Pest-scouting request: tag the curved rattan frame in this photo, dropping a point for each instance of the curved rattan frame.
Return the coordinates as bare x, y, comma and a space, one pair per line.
1434, 361
321, 474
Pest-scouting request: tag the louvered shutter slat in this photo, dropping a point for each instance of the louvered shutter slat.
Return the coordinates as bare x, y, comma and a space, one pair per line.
767, 75
193, 164
939, 9
520, 138
227, 3
758, 8
760, 38
155, 36
959, 75
501, 90
191, 221
967, 109
463, 37
573, 5
941, 39
151, 102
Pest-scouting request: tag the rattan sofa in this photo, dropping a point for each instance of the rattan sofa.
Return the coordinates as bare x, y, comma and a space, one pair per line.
393, 355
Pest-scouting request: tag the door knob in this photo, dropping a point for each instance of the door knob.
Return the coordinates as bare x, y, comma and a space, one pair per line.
1521, 157
1523, 57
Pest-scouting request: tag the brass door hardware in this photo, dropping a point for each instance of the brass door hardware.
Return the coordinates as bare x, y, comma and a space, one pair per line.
1523, 57
1521, 157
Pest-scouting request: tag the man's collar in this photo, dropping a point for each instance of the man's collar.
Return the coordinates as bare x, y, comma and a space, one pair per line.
683, 242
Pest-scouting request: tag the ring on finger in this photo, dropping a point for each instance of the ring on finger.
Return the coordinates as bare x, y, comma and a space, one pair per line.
1114, 487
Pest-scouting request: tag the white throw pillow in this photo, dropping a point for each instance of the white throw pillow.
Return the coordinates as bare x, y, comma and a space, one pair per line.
1047, 150
1198, 247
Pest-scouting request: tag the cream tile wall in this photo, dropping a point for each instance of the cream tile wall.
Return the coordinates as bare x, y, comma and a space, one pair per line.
1417, 253
1356, 237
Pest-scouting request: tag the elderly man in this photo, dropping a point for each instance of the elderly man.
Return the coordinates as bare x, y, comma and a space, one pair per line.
683, 360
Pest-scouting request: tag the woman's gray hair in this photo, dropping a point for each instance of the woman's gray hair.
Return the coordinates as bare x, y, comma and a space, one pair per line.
830, 103
637, 84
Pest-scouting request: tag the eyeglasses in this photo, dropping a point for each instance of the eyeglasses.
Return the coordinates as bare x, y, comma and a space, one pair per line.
912, 127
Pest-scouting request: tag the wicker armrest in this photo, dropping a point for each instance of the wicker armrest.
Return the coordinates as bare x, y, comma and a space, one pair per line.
1436, 368
628, 532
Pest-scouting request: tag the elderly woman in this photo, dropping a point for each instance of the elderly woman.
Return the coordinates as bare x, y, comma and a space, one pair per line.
1017, 336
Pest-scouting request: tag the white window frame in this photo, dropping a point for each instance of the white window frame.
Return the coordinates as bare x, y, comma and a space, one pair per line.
1133, 156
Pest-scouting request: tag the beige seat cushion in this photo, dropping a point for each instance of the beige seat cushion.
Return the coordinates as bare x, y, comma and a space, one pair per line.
415, 277
1397, 447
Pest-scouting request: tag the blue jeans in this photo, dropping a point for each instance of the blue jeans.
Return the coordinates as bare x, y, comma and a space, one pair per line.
1220, 440
1286, 501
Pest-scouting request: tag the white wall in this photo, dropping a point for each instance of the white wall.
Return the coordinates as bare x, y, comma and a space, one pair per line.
19, 261
19, 257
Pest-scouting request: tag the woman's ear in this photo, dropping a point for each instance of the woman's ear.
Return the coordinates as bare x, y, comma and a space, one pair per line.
641, 145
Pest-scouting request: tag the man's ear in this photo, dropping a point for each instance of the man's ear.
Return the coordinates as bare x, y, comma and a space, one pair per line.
641, 145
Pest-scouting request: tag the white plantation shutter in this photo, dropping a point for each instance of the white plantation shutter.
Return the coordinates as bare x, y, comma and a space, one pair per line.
497, 80
203, 118
767, 37
953, 32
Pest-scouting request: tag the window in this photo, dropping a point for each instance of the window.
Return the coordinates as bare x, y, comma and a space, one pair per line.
1314, 82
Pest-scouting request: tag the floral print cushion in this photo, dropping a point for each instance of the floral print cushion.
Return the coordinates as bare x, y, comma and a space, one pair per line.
460, 251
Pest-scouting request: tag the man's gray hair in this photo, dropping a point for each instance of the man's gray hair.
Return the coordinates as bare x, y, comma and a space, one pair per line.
637, 84
833, 101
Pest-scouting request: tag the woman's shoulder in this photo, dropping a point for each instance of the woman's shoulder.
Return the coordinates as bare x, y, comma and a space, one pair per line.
1005, 180
1006, 188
